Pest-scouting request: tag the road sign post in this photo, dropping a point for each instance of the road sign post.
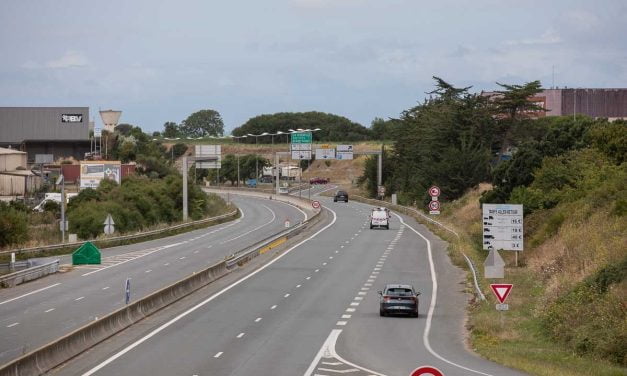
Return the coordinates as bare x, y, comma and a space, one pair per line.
127, 291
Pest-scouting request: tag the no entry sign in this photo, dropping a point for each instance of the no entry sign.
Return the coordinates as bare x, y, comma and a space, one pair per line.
426, 370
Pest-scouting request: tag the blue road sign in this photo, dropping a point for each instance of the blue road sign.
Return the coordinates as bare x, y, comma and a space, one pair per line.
128, 290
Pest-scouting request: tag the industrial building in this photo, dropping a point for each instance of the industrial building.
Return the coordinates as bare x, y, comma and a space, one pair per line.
15, 178
610, 104
60, 131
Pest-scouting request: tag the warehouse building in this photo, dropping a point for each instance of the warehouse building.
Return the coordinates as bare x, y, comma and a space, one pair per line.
15, 179
609, 104
60, 131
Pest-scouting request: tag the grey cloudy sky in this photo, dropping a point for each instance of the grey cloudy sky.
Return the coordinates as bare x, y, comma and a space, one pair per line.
159, 61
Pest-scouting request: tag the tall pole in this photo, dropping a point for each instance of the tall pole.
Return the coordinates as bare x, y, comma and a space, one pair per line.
63, 210
379, 169
276, 171
256, 163
238, 170
185, 188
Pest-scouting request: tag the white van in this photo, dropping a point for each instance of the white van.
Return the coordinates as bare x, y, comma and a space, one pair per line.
379, 218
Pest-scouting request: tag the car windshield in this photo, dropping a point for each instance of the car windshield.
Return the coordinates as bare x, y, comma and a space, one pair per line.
399, 291
341, 193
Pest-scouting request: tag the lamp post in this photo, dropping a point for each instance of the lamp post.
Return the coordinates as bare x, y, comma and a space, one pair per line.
61, 181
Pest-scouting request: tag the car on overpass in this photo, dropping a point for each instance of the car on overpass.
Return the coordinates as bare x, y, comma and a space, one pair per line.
317, 180
398, 299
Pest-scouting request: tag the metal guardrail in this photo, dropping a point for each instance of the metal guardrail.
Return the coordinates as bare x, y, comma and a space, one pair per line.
406, 209
13, 279
118, 238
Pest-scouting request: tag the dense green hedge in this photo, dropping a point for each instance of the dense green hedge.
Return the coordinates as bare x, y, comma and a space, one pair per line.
139, 202
13, 225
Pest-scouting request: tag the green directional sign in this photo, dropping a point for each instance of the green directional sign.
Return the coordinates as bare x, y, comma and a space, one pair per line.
301, 138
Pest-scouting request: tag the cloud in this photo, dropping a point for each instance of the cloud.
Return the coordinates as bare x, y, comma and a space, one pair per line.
71, 59
548, 37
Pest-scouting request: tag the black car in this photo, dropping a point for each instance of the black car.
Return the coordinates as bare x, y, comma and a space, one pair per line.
397, 298
340, 196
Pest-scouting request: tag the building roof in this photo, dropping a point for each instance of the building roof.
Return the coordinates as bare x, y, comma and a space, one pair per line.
10, 151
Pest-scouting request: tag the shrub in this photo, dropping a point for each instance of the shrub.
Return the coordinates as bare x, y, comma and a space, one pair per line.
13, 225
592, 317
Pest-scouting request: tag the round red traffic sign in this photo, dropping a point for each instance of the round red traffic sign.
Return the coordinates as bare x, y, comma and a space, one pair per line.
426, 370
315, 204
434, 205
434, 191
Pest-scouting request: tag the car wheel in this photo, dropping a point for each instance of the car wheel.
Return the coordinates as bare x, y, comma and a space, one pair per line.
334, 200
387, 227
371, 227
415, 314
381, 313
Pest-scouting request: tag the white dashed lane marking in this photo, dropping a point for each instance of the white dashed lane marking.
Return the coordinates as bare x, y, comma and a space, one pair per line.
12, 325
240, 335
218, 354
80, 298
49, 310
258, 319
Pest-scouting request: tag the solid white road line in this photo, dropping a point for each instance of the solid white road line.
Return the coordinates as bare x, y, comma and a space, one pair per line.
256, 228
434, 295
204, 302
30, 293
328, 351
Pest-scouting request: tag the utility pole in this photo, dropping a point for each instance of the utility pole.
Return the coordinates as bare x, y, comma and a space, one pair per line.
185, 188
238, 170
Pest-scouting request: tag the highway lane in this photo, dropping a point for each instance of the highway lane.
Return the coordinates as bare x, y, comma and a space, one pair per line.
38, 312
313, 311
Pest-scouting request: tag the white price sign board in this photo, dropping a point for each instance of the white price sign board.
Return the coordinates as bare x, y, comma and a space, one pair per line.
503, 227
344, 152
325, 153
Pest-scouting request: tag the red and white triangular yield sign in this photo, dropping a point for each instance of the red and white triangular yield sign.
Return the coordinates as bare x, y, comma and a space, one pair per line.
501, 290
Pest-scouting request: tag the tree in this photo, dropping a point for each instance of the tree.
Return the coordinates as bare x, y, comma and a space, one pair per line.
332, 127
170, 129
515, 100
203, 123
124, 128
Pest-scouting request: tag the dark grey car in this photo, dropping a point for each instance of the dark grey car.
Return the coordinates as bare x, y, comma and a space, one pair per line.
398, 299
340, 196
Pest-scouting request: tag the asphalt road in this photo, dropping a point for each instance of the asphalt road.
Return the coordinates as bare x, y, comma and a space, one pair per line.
312, 310
35, 313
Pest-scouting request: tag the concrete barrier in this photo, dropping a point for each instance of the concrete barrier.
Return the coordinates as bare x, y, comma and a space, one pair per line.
56, 352
14, 279
301, 203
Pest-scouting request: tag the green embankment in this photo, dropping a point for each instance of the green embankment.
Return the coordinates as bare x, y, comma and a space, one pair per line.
568, 312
